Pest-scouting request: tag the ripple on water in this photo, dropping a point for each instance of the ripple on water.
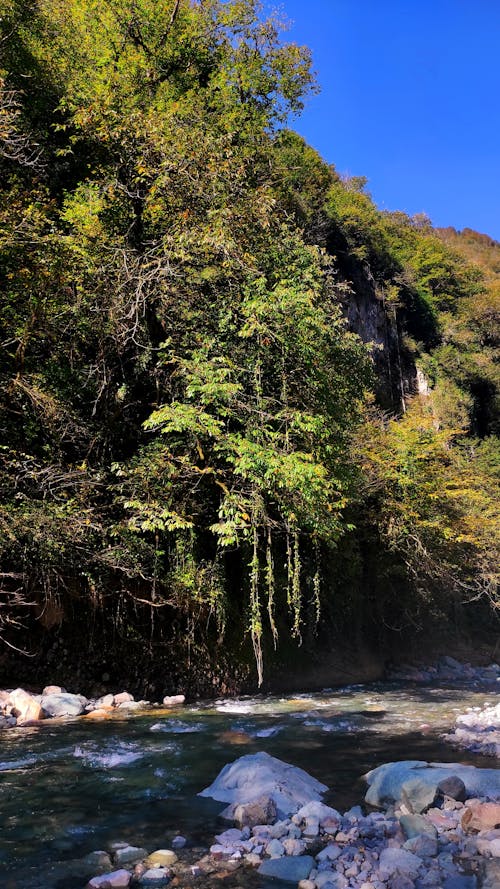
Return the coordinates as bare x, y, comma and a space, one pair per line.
108, 758
178, 728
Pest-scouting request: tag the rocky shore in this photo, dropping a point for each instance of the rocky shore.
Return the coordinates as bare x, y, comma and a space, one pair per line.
447, 669
431, 830
20, 708
478, 730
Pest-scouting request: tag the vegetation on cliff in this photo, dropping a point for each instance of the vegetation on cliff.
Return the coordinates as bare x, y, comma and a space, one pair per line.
188, 434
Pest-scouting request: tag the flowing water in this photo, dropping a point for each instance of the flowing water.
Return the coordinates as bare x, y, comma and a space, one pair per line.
67, 789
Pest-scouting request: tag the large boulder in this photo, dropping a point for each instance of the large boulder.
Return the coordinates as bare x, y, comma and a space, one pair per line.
64, 704
24, 706
260, 775
390, 782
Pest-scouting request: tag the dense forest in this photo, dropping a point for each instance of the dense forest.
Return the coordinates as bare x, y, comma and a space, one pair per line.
241, 408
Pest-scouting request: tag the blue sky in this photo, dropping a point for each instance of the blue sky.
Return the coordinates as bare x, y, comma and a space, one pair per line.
410, 98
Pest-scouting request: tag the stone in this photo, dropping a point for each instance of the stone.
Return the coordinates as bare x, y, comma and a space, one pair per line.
385, 782
319, 811
259, 774
155, 876
329, 853
253, 859
260, 811
100, 713
311, 828
417, 825
424, 846
490, 875
161, 858
418, 796
400, 881
275, 849
25, 707
105, 702
97, 859
129, 854
173, 700
453, 787
229, 837
393, 861
179, 842
64, 704
118, 879
289, 869
307, 884
53, 690
460, 881
122, 698
481, 816
293, 846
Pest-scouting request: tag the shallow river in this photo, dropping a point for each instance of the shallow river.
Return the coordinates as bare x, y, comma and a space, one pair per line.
69, 788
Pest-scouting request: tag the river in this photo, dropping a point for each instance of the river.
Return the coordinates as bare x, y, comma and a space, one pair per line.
67, 789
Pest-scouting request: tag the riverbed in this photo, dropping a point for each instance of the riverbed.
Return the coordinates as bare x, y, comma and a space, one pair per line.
67, 789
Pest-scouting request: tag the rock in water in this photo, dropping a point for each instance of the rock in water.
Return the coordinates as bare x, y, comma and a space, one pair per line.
25, 706
386, 782
261, 775
63, 704
290, 869
118, 879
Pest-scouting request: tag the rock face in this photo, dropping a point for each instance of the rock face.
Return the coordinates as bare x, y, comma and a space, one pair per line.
387, 782
64, 704
24, 706
259, 775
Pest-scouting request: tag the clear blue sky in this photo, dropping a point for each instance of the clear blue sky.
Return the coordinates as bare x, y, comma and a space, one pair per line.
410, 98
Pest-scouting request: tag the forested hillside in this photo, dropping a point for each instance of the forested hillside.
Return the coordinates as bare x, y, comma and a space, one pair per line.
240, 407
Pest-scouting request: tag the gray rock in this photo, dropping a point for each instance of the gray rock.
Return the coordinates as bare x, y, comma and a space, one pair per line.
424, 846
462, 882
386, 781
64, 704
129, 854
417, 825
453, 787
178, 842
418, 796
394, 861
259, 774
118, 879
275, 849
289, 869
490, 875
155, 876
97, 860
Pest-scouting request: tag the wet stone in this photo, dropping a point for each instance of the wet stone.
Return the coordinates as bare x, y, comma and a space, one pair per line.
129, 854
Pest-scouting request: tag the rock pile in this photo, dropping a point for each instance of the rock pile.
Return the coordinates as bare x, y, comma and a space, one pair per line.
478, 730
19, 707
447, 669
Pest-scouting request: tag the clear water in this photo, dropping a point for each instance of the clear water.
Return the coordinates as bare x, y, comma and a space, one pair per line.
68, 789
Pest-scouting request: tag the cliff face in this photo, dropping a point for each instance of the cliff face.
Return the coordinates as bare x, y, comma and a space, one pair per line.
381, 325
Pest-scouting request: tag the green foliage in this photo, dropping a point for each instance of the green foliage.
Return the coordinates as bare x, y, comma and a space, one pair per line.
180, 390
